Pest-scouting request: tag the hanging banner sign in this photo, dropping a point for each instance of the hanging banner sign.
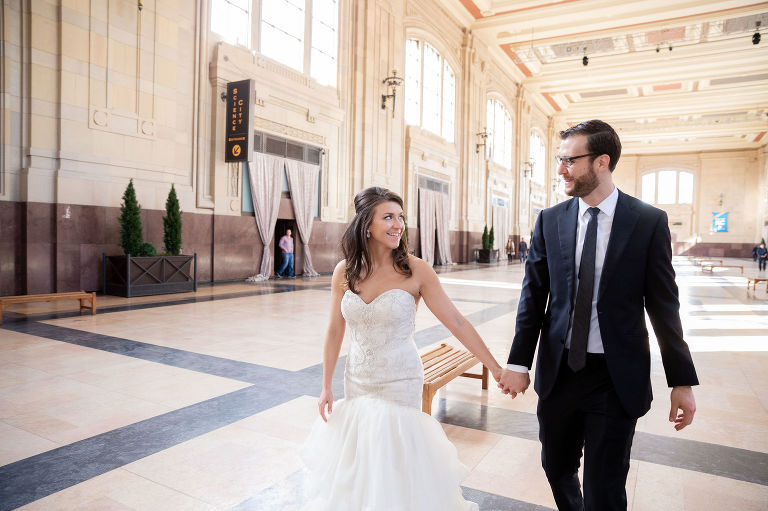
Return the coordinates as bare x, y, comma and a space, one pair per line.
239, 131
719, 222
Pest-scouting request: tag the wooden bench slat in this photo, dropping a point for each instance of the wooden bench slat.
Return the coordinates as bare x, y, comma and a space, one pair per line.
435, 353
447, 360
442, 359
444, 368
449, 372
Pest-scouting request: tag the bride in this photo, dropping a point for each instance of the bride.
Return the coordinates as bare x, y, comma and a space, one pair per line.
375, 449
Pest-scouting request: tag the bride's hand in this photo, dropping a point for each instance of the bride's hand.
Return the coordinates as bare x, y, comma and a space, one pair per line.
326, 399
496, 373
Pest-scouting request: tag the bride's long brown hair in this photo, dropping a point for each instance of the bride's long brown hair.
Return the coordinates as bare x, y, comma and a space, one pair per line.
354, 244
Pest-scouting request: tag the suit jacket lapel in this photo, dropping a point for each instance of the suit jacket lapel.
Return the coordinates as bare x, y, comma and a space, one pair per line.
566, 230
624, 220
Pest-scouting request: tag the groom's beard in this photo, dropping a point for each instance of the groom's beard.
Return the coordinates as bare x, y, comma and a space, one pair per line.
584, 185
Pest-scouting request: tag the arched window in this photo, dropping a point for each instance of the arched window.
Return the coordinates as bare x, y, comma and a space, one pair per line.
283, 27
537, 152
430, 89
667, 187
499, 142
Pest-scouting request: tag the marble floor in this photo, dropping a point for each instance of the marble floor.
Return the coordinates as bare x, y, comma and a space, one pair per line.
201, 400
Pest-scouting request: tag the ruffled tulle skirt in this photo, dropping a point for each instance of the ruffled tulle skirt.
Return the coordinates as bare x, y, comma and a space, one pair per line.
374, 454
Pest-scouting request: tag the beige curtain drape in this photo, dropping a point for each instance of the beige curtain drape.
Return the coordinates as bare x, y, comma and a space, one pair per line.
500, 224
442, 219
266, 173
427, 224
302, 180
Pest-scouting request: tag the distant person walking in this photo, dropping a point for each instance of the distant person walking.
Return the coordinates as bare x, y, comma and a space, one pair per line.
286, 245
510, 249
523, 249
762, 257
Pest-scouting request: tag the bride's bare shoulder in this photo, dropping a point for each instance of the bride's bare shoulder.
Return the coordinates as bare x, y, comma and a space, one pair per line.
339, 278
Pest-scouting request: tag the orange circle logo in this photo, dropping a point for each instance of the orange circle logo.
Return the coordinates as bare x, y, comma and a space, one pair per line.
236, 150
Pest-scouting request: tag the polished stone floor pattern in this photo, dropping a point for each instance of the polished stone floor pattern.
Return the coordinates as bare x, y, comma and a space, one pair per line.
202, 400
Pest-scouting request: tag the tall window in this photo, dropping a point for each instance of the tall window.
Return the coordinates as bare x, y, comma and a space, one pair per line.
538, 153
282, 31
325, 24
232, 20
667, 187
499, 143
285, 28
430, 90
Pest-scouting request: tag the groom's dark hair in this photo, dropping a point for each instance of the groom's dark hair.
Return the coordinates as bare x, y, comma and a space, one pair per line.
601, 139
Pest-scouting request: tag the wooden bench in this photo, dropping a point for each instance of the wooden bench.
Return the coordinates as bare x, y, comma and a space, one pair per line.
710, 267
5, 301
706, 260
442, 365
753, 281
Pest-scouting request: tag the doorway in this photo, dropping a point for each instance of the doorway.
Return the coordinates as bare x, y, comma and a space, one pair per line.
281, 226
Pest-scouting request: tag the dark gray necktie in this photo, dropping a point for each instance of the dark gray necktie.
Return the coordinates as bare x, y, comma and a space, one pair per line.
577, 356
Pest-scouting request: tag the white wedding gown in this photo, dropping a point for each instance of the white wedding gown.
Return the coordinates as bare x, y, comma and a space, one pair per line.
378, 450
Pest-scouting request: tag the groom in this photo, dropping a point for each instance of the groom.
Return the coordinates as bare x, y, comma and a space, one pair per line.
596, 264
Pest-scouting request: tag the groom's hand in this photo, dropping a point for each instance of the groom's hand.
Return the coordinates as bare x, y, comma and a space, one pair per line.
682, 399
513, 382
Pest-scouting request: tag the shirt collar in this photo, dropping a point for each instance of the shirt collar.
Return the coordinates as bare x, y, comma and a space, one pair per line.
608, 206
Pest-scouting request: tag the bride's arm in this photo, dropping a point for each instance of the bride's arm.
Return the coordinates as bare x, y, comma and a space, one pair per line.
442, 307
333, 338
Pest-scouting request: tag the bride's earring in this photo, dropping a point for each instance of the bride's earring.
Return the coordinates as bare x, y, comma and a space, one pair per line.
367, 234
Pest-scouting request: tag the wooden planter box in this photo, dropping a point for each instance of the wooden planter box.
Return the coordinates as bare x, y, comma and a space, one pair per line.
144, 276
487, 256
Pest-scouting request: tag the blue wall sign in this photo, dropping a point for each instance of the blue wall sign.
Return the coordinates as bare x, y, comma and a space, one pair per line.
719, 222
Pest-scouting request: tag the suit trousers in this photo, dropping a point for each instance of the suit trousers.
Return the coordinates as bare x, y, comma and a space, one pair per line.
583, 412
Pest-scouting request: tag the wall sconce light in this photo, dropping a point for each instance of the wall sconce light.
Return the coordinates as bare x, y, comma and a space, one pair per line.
585, 59
527, 168
756, 35
393, 81
483, 136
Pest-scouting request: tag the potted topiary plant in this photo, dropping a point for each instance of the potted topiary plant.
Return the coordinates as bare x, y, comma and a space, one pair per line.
487, 254
141, 272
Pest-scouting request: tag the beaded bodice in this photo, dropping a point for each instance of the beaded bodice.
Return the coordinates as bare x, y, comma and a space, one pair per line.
383, 361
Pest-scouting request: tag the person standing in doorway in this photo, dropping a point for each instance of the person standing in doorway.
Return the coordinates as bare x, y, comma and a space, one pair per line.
762, 257
286, 245
597, 264
523, 249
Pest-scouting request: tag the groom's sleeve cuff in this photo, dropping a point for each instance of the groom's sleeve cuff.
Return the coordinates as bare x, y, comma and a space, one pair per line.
516, 368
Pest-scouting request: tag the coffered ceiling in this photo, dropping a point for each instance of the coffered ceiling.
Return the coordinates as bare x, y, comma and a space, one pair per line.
670, 75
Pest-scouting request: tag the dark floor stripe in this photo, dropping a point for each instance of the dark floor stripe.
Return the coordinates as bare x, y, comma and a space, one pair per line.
704, 457
216, 366
36, 477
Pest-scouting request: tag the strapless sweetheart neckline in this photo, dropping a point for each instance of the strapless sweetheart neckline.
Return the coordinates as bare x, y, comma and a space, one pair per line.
382, 294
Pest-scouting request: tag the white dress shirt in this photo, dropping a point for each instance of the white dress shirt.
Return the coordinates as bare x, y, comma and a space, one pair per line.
604, 224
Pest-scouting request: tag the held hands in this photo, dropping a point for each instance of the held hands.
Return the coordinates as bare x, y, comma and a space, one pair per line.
514, 383
682, 399
326, 400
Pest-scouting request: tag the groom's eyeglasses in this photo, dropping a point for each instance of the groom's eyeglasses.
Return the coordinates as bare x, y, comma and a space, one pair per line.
568, 161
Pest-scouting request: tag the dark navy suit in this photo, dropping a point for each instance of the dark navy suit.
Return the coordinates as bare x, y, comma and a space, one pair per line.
637, 276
